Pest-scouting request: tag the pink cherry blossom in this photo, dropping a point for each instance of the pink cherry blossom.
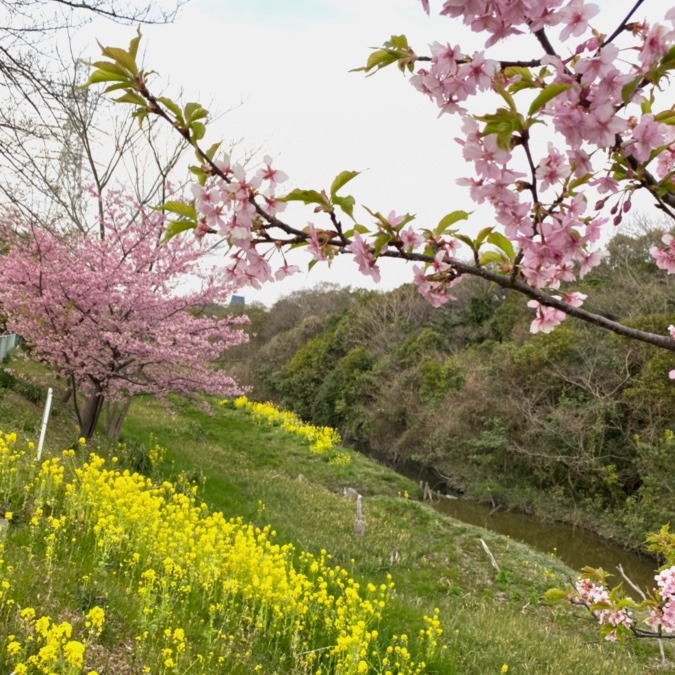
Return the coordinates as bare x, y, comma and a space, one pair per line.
656, 43
647, 136
410, 239
315, 247
601, 125
546, 319
599, 65
665, 258
552, 169
364, 257
574, 298
575, 16
286, 270
272, 176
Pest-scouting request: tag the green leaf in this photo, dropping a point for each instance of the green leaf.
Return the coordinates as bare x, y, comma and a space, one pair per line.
131, 97
109, 67
467, 240
305, 196
361, 229
490, 257
179, 208
121, 57
340, 180
554, 595
194, 111
525, 74
397, 42
629, 89
450, 219
504, 123
505, 95
211, 152
101, 76
502, 243
197, 131
177, 227
396, 49
116, 87
668, 61
666, 117
578, 182
140, 114
381, 240
547, 93
133, 44
480, 238
520, 85
598, 575
200, 173
377, 60
171, 106
345, 203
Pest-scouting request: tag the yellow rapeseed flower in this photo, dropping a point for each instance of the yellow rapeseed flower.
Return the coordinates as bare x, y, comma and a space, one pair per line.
73, 651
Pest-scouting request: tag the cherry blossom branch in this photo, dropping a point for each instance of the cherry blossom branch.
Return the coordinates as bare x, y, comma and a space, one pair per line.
537, 243
548, 300
503, 63
342, 243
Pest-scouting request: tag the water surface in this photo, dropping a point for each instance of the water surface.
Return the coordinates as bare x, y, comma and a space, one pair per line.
574, 546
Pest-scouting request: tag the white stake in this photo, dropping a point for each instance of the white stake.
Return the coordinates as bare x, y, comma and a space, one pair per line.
45, 419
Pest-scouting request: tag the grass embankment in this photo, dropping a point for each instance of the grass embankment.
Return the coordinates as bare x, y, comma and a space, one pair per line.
112, 529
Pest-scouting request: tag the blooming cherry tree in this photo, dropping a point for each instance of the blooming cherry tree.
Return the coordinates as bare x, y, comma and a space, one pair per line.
114, 316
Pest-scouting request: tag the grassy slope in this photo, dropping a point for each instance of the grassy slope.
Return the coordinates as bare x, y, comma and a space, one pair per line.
490, 618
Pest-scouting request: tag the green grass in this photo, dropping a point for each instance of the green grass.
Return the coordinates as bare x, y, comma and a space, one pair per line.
267, 476
491, 619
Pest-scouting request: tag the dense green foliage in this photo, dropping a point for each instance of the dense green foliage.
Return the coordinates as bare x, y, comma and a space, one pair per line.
571, 423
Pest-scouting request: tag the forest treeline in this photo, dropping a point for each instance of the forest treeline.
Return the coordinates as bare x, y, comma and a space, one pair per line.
576, 424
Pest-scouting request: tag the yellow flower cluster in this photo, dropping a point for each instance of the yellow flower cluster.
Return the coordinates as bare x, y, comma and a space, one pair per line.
321, 439
44, 646
209, 591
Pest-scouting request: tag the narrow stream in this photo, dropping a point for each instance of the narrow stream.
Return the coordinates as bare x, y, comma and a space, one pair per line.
574, 546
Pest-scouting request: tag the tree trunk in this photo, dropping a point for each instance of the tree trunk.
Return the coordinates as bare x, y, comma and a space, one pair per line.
93, 405
113, 417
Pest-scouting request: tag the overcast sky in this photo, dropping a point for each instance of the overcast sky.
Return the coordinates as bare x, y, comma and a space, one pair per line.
283, 66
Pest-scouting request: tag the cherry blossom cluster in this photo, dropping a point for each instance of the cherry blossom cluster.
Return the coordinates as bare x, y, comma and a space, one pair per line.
501, 18
597, 600
226, 205
603, 140
662, 617
106, 311
618, 615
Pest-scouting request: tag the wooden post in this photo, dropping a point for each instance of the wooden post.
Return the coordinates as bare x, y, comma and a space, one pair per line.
359, 523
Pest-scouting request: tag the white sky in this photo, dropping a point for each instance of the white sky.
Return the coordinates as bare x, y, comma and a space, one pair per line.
285, 64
